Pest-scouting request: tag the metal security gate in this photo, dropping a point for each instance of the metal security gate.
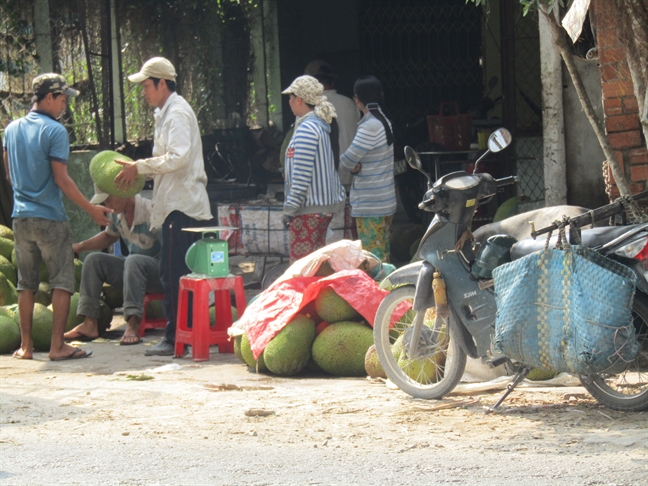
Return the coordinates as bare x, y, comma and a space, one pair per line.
424, 53
528, 109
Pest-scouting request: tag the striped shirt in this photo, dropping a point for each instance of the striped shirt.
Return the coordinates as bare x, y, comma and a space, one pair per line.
372, 192
311, 183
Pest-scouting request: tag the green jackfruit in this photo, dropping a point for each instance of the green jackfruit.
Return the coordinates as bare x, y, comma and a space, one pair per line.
333, 308
9, 335
9, 271
258, 365
7, 311
104, 322
8, 294
212, 315
289, 351
78, 268
6, 247
104, 169
420, 370
372, 364
237, 347
340, 349
43, 295
73, 320
6, 232
42, 328
113, 296
538, 374
397, 347
155, 310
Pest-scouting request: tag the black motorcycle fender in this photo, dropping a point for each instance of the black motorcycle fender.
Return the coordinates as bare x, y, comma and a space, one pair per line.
423, 297
407, 275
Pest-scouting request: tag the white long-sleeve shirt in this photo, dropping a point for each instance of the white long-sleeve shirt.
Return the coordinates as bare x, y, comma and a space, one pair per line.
177, 166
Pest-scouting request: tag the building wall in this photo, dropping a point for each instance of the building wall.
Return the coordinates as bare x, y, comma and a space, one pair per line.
584, 155
619, 102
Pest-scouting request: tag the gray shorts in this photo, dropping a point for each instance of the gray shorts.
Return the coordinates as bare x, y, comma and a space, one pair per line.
51, 241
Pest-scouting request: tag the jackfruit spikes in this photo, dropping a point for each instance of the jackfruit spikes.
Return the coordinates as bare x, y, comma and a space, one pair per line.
44, 294
258, 365
9, 271
6, 232
9, 335
6, 247
341, 348
105, 318
372, 364
113, 296
289, 351
8, 294
237, 347
333, 308
538, 374
42, 328
420, 370
104, 169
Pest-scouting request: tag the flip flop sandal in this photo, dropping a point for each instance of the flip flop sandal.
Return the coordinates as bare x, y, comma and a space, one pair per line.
73, 355
134, 340
79, 336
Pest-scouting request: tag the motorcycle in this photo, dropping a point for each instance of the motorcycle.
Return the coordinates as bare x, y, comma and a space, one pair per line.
443, 308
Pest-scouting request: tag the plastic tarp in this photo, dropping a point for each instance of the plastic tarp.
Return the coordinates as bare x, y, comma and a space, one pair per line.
276, 306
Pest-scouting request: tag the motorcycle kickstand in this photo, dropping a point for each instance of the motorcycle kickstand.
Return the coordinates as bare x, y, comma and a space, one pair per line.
517, 379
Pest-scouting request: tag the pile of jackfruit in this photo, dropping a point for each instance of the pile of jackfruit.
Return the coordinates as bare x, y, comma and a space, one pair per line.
329, 335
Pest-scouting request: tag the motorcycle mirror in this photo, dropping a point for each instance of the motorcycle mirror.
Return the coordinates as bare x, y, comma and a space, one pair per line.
414, 161
413, 158
499, 140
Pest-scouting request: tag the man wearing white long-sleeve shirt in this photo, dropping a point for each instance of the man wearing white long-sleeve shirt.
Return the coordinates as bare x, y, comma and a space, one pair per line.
179, 182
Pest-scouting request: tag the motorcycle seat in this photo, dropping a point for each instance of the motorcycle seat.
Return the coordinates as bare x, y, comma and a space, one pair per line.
590, 238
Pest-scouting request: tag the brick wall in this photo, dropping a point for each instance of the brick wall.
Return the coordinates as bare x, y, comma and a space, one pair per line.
619, 103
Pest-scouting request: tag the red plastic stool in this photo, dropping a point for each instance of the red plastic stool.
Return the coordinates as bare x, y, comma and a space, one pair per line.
200, 336
156, 323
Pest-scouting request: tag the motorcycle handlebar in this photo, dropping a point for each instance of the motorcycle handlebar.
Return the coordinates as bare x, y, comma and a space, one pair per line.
506, 181
427, 203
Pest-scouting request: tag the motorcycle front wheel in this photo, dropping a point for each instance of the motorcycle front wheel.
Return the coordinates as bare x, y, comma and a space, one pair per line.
438, 370
628, 390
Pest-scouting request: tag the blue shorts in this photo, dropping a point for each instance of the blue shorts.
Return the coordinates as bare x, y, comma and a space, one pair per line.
51, 241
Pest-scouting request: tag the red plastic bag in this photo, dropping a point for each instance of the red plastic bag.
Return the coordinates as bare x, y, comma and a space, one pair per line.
275, 307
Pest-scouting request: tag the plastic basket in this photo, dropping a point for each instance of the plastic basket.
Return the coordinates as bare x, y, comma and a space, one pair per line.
449, 128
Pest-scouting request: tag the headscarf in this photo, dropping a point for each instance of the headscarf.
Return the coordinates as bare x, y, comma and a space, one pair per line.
310, 90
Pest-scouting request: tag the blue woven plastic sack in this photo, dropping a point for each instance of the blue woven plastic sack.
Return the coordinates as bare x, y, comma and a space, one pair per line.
566, 310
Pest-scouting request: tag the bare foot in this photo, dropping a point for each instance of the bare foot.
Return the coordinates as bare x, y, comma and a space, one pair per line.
83, 332
23, 354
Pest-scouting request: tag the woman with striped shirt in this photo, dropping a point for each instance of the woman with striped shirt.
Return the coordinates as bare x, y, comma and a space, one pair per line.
371, 159
313, 191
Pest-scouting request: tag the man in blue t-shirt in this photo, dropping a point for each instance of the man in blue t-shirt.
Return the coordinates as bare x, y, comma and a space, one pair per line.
36, 149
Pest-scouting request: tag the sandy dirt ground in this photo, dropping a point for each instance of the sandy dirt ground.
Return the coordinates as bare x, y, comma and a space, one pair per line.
116, 418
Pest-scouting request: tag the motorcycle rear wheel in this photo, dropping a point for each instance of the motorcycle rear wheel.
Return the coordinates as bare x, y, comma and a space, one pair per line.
628, 390
431, 377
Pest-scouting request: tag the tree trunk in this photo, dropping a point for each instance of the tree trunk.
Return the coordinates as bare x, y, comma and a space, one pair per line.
597, 125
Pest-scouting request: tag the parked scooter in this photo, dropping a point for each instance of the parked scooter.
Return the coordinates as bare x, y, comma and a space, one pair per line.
452, 306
